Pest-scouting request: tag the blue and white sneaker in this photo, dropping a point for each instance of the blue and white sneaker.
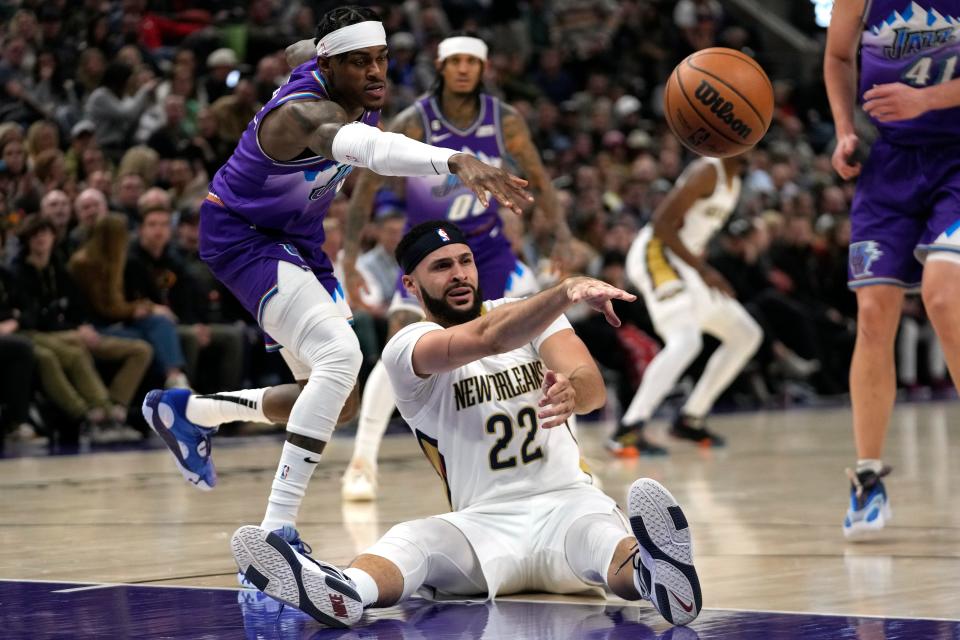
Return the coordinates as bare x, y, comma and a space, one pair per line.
166, 413
274, 567
869, 508
663, 563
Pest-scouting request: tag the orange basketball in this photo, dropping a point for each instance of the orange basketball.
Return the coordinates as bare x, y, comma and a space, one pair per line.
719, 102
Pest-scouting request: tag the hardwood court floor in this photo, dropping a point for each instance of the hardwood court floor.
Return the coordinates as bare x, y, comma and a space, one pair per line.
765, 512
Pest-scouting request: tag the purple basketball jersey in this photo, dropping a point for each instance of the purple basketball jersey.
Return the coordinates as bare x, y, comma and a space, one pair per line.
916, 43
445, 197
260, 210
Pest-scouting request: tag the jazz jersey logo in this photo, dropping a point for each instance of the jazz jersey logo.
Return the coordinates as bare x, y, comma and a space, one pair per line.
862, 256
334, 182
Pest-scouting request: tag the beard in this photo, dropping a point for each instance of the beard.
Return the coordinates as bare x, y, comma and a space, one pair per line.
445, 314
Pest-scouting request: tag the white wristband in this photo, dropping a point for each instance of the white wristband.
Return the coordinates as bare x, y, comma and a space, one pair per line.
389, 154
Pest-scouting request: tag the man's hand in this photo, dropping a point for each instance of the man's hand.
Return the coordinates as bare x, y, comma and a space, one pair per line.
597, 295
480, 178
842, 156
895, 101
558, 402
715, 280
88, 335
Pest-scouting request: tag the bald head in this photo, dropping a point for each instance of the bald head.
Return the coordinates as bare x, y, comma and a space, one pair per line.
55, 207
90, 206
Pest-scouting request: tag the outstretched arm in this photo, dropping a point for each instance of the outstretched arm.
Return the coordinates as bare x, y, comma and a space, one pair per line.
407, 123
324, 127
511, 325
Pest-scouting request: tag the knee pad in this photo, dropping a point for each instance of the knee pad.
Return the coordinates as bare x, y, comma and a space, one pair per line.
329, 346
406, 545
590, 544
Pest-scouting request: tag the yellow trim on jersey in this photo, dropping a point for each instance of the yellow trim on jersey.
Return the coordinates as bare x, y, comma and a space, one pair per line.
431, 451
660, 270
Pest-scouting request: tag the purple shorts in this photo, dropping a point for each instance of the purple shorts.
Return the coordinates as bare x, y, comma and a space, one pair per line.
907, 204
245, 259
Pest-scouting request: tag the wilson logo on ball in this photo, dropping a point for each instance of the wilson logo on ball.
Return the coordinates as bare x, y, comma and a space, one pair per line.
709, 96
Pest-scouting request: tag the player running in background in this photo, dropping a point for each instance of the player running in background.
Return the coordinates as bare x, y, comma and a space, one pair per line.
486, 388
685, 298
906, 211
261, 231
457, 114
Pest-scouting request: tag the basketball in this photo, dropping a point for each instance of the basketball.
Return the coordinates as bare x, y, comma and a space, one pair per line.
718, 102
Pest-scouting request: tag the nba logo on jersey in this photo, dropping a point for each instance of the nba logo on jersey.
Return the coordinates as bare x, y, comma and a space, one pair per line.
862, 255
443, 235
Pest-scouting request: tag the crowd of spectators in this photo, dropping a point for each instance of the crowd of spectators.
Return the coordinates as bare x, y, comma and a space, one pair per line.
116, 113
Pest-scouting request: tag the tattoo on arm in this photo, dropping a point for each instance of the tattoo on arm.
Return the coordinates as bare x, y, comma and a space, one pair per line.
519, 144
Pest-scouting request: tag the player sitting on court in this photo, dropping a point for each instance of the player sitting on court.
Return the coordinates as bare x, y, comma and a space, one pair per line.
486, 388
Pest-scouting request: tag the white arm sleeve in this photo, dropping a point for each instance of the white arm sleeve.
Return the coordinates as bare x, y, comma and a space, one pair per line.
389, 154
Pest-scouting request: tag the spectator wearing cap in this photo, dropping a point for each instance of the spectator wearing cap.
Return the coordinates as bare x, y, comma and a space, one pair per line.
220, 63
113, 112
81, 136
53, 315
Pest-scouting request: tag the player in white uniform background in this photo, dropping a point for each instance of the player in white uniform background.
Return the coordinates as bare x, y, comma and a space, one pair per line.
685, 298
486, 388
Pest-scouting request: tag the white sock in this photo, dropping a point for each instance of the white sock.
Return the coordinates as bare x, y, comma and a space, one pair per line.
289, 486
366, 585
376, 408
869, 464
213, 410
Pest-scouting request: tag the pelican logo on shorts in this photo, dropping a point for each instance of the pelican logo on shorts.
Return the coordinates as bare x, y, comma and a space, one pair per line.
443, 235
710, 96
862, 256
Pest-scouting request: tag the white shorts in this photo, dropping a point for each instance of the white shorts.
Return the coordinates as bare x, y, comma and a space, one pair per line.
521, 283
520, 543
672, 290
298, 290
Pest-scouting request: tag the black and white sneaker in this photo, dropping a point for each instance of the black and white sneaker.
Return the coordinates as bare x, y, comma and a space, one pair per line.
663, 565
274, 567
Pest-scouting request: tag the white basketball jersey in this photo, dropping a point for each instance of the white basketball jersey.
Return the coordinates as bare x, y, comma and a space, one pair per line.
708, 215
478, 424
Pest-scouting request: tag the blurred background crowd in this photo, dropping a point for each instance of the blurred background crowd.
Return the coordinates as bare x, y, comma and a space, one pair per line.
116, 113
